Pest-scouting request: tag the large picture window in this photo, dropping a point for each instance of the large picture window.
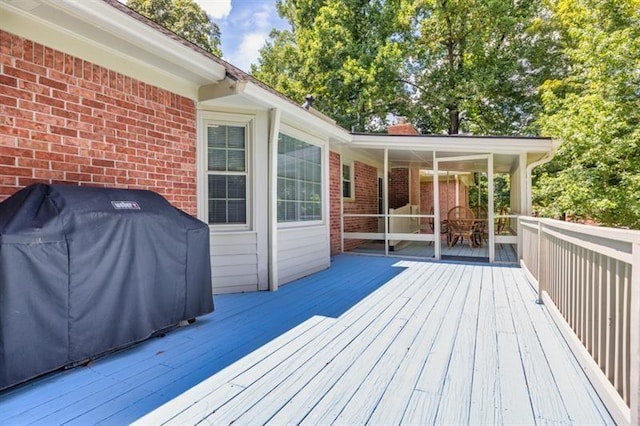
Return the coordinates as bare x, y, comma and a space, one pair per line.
227, 174
299, 180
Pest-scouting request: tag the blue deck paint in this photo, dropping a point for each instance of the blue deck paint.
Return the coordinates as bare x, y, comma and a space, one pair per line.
124, 386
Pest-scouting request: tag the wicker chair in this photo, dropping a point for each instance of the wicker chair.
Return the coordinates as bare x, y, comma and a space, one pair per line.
480, 233
460, 220
501, 222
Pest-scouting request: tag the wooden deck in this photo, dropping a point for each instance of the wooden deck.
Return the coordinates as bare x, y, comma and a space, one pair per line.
371, 340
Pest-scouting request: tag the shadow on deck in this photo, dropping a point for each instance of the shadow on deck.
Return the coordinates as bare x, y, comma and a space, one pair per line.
123, 386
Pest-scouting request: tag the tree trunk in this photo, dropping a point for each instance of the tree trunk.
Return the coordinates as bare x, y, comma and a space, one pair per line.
454, 119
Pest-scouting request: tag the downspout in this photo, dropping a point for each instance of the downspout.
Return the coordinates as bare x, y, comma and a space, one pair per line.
274, 130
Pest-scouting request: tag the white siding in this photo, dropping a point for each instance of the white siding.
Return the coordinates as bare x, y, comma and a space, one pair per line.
517, 188
234, 262
302, 251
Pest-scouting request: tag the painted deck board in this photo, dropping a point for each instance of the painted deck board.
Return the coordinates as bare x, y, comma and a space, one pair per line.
372, 340
562, 363
456, 395
336, 390
515, 403
404, 381
546, 401
485, 393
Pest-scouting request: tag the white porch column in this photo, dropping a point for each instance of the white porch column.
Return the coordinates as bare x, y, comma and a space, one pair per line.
436, 209
491, 208
385, 201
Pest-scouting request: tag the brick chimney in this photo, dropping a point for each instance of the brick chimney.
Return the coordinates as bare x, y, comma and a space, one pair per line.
402, 128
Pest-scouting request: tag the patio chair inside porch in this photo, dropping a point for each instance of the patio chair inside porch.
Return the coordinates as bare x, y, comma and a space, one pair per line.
460, 222
480, 225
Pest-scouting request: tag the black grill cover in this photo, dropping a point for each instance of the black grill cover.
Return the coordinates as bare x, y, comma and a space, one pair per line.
84, 271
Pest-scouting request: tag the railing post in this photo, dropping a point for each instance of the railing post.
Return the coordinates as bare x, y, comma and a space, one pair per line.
543, 264
635, 335
519, 238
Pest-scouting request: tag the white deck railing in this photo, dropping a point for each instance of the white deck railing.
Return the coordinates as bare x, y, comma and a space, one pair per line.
589, 278
404, 220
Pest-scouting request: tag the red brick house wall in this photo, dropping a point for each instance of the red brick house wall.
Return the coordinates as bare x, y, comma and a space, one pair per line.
398, 187
365, 202
402, 129
66, 120
335, 188
426, 200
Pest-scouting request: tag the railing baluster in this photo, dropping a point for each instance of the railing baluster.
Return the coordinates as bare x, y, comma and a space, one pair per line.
610, 327
617, 313
626, 334
589, 314
581, 299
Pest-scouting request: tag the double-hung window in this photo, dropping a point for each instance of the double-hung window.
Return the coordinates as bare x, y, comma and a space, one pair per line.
227, 174
299, 180
347, 180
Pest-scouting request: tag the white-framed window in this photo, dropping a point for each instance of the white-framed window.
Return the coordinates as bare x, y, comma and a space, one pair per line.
299, 180
348, 181
227, 173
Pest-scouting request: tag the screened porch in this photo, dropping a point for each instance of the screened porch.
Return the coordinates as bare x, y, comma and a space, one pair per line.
403, 195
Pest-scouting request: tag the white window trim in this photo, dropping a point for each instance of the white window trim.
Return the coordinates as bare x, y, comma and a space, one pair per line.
311, 140
205, 119
349, 163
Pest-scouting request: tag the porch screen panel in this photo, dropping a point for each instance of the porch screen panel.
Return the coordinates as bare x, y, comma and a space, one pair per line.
227, 174
299, 180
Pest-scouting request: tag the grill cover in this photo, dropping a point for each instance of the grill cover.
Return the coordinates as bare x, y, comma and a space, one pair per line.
84, 271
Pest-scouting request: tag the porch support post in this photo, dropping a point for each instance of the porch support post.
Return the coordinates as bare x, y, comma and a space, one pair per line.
341, 202
436, 209
385, 201
274, 130
634, 403
491, 208
543, 263
524, 208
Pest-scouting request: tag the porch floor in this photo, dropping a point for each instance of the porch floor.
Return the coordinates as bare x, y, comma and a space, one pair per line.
370, 340
504, 253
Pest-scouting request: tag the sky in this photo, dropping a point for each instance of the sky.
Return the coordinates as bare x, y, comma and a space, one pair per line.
245, 26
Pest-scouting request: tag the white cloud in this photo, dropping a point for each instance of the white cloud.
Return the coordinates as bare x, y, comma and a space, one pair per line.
217, 9
247, 51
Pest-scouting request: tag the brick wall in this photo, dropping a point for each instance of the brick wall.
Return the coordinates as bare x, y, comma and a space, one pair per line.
65, 120
365, 202
335, 193
402, 129
426, 201
398, 187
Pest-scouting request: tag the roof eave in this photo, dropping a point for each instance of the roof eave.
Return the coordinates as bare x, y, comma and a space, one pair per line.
456, 143
112, 28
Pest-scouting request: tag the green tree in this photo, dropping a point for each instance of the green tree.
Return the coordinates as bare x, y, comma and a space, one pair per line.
183, 17
594, 111
344, 52
475, 65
